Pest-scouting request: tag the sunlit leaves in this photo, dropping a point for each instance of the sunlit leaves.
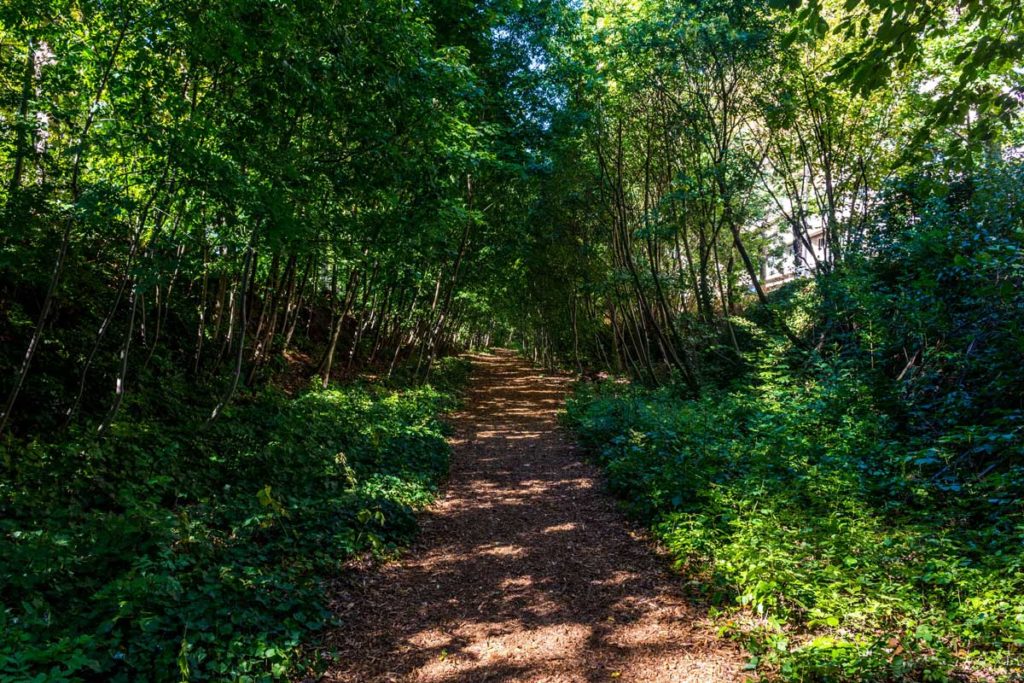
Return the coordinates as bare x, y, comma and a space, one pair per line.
893, 36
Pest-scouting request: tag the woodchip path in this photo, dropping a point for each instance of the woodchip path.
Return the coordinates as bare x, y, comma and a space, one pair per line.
525, 570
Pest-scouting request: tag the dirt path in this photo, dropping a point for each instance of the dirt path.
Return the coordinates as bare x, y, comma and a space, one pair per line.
524, 571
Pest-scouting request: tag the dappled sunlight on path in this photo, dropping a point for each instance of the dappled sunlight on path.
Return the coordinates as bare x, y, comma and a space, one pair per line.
524, 570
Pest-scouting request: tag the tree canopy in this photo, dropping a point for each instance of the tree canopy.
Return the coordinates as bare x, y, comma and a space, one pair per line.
202, 202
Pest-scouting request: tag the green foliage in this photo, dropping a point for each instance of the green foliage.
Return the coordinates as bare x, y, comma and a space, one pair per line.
794, 502
944, 271
189, 550
447, 374
197, 198
980, 67
856, 517
200, 189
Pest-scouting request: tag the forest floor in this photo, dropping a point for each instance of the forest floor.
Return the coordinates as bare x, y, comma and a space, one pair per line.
524, 570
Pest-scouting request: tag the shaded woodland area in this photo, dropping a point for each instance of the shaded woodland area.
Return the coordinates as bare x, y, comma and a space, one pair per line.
242, 243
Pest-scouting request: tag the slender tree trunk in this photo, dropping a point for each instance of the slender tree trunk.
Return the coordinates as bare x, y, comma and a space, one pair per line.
121, 385
201, 309
247, 271
310, 268
65, 240
328, 361
22, 144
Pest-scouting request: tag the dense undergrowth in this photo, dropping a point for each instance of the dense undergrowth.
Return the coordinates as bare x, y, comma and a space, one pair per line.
177, 549
795, 504
854, 516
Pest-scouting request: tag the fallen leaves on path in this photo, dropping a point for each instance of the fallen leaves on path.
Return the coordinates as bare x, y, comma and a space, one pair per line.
525, 570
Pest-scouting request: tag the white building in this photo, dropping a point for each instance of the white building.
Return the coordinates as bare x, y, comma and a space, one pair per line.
793, 258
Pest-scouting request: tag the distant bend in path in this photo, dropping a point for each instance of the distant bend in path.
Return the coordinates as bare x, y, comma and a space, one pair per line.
524, 570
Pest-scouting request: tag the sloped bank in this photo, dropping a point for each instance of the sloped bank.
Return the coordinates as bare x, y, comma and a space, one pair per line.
177, 550
799, 509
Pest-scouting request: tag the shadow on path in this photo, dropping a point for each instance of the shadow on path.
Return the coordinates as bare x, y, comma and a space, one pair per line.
524, 571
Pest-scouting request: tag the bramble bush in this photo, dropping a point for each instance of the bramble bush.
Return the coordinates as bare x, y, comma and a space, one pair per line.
177, 549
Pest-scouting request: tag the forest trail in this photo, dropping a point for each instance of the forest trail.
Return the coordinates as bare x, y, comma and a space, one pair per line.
524, 570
